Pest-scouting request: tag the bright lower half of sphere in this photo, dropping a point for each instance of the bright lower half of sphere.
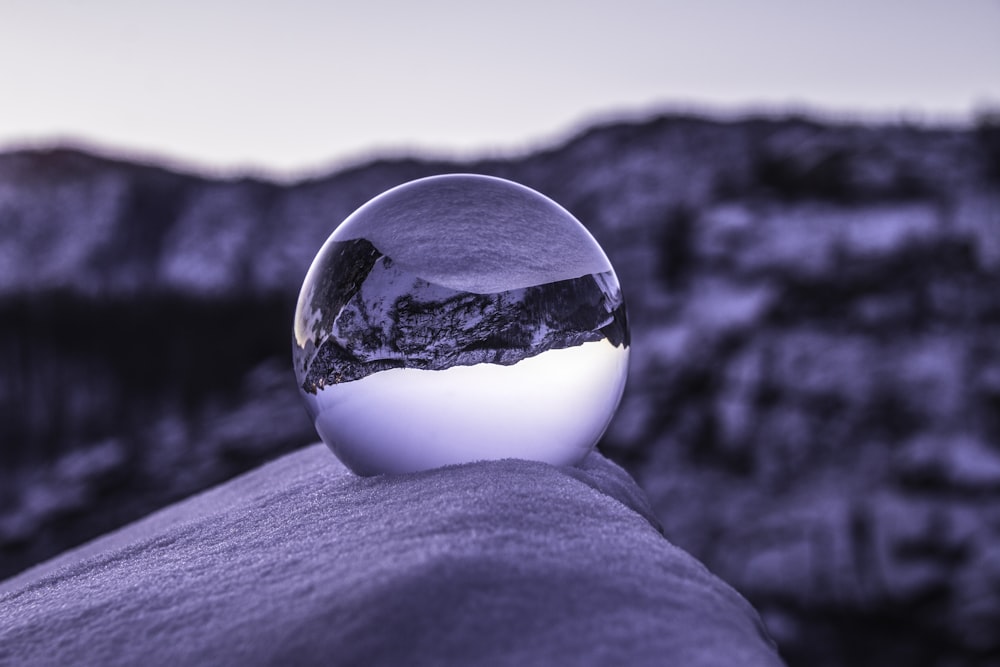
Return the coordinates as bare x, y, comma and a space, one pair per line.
495, 329
552, 407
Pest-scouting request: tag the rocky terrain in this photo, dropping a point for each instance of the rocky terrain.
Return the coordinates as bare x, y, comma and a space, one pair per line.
814, 403
394, 319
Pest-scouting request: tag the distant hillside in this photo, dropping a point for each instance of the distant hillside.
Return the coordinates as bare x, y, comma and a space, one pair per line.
814, 405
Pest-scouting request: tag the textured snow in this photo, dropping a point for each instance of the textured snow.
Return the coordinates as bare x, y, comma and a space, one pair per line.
476, 233
301, 562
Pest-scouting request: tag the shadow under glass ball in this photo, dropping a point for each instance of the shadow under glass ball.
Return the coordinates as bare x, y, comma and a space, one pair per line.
459, 318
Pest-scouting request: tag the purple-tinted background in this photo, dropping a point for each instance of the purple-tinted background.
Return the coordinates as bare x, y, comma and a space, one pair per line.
814, 406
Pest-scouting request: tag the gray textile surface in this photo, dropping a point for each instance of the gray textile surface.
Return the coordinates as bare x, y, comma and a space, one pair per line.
302, 562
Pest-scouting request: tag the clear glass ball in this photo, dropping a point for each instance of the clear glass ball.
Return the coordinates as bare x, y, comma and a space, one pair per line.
460, 318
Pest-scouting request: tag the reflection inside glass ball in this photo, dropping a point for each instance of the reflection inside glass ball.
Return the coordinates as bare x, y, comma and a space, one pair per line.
460, 318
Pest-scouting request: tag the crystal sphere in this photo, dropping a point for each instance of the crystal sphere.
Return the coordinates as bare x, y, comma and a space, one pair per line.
460, 318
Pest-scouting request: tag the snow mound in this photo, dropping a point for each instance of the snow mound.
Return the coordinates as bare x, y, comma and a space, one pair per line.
302, 562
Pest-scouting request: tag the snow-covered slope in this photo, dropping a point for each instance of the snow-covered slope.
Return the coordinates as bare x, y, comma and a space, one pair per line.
301, 562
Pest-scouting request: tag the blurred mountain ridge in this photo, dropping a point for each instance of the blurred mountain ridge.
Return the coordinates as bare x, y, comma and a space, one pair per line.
99, 225
814, 400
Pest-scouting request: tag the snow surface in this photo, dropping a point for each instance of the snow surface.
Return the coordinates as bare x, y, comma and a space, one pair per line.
475, 233
302, 562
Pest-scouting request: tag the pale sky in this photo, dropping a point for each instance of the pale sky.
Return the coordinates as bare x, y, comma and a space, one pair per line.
296, 86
